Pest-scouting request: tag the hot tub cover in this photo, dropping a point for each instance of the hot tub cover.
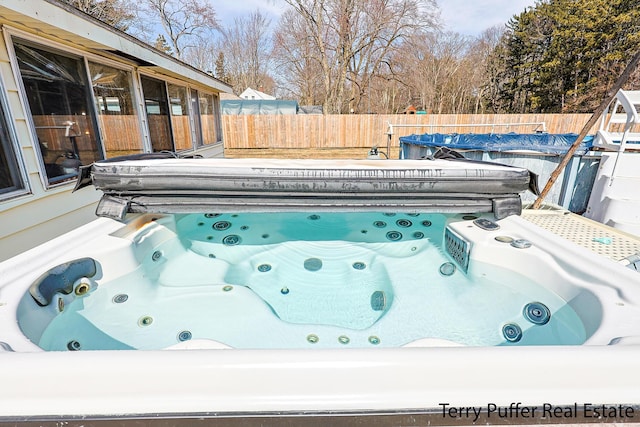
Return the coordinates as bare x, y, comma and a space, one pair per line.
268, 185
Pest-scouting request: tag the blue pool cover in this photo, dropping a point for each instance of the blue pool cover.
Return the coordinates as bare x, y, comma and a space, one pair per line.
539, 142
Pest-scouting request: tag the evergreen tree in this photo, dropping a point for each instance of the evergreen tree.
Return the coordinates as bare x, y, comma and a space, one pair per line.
220, 71
562, 55
162, 45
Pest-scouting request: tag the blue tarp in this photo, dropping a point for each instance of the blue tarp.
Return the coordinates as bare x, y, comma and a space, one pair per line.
258, 106
539, 142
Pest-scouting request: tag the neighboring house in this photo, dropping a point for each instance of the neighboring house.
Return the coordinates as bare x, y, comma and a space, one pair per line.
252, 94
74, 90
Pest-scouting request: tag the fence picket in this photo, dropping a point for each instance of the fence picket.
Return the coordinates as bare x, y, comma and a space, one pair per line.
364, 130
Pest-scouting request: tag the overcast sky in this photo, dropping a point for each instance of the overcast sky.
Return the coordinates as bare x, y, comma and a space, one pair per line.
469, 17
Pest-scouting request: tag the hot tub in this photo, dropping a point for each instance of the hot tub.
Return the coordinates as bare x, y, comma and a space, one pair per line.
360, 307
305, 280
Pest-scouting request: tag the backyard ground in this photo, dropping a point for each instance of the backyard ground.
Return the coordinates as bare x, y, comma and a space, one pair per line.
306, 153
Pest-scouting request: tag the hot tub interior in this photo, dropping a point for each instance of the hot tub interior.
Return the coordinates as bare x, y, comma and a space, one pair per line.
294, 280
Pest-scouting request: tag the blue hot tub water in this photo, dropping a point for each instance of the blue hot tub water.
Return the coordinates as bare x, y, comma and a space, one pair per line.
304, 280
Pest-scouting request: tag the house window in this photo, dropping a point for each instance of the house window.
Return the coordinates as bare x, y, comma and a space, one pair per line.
157, 108
208, 118
196, 126
10, 180
59, 98
119, 124
179, 101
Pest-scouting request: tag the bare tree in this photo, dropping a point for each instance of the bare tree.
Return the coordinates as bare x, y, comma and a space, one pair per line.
247, 51
202, 55
485, 75
185, 22
388, 93
344, 43
301, 75
434, 66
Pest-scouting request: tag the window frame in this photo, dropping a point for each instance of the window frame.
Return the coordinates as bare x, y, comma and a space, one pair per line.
143, 104
215, 106
186, 89
195, 118
136, 91
189, 87
13, 151
13, 35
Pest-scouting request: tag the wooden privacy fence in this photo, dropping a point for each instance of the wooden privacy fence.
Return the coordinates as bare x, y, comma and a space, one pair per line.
367, 130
